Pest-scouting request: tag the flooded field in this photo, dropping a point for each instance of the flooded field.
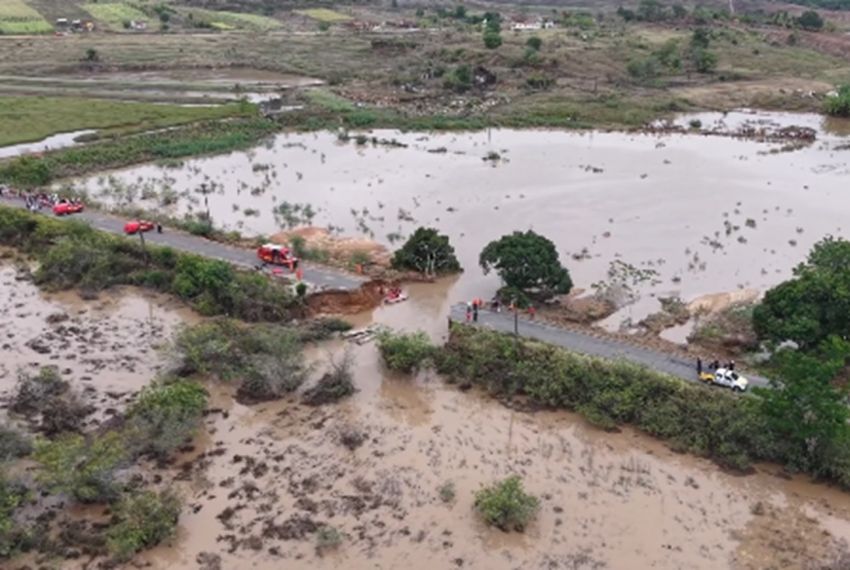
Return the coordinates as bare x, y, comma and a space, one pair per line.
266, 478
260, 481
109, 347
705, 214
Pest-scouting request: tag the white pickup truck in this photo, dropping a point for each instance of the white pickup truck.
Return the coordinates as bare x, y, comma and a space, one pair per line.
726, 378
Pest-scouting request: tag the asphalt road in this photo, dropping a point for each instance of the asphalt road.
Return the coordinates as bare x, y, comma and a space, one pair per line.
587, 344
317, 276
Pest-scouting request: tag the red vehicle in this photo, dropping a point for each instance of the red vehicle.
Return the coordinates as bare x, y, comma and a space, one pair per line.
136, 226
64, 208
277, 255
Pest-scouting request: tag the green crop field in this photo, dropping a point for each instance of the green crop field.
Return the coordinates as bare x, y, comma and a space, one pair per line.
234, 20
114, 14
324, 15
27, 119
16, 17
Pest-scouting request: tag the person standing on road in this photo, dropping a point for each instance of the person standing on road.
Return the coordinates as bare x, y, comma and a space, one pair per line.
468, 311
475, 311
158, 228
699, 366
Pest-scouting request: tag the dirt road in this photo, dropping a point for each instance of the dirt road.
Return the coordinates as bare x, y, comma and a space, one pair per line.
587, 344
320, 277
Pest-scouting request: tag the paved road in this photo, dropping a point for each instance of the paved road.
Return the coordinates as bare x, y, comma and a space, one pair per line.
319, 277
587, 344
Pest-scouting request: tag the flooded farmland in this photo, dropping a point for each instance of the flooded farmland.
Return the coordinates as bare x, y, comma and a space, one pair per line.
704, 214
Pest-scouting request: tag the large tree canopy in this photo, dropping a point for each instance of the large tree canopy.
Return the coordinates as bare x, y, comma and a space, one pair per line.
427, 251
528, 262
814, 304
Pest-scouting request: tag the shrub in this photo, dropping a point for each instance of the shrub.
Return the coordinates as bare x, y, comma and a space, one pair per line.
267, 359
141, 521
492, 40
334, 385
534, 43
839, 104
327, 538
506, 505
165, 415
447, 492
322, 328
32, 392
405, 352
83, 468
12, 535
13, 444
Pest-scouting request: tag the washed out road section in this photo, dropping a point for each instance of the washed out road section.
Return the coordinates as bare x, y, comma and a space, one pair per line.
320, 277
586, 344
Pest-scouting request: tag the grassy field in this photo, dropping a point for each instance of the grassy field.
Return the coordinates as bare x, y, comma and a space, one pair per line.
16, 17
232, 20
324, 15
114, 14
26, 119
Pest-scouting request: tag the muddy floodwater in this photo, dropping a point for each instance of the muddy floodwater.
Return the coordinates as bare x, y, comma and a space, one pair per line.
261, 480
702, 214
266, 477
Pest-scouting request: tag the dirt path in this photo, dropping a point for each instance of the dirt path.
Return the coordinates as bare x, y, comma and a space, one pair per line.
320, 277
587, 344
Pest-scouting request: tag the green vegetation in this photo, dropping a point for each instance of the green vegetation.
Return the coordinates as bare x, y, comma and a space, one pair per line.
114, 14
201, 138
164, 416
16, 17
13, 444
267, 360
405, 352
839, 105
506, 505
427, 251
224, 20
810, 20
447, 492
492, 40
27, 119
324, 15
75, 255
327, 538
528, 264
12, 535
84, 468
141, 521
814, 304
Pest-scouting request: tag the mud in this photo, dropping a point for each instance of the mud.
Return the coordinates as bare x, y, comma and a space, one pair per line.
265, 479
705, 214
107, 348
50, 143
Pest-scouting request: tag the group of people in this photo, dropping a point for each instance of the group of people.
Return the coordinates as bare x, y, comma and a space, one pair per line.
393, 293
478, 304
714, 365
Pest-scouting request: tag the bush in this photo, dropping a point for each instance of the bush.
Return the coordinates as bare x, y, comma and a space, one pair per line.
12, 535
534, 43
13, 444
141, 521
322, 328
447, 492
165, 416
691, 417
405, 352
506, 505
838, 105
32, 392
492, 40
267, 359
334, 385
83, 468
327, 538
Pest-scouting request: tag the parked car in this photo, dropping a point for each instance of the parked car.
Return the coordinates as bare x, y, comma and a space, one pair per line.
137, 226
64, 208
726, 378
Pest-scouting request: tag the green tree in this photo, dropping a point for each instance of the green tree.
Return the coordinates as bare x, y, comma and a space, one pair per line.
493, 21
534, 43
527, 262
83, 468
806, 407
506, 505
92, 56
427, 251
460, 12
810, 20
165, 415
679, 11
704, 61
812, 305
492, 39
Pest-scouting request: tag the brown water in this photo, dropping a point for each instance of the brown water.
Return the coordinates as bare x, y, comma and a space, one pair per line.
262, 478
707, 213
272, 472
108, 345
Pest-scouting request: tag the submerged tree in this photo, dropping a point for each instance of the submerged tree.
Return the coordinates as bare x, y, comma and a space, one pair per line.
428, 252
528, 263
